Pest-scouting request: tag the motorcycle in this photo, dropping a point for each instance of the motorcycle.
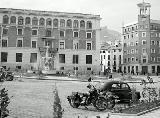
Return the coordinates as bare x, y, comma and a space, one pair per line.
93, 97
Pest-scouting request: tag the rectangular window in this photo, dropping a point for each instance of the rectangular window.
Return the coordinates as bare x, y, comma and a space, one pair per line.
19, 43
48, 33
88, 35
144, 50
88, 59
143, 34
153, 59
18, 57
34, 32
4, 56
109, 57
152, 42
153, 51
75, 59
20, 32
4, 43
75, 44
61, 58
75, 34
33, 58
61, 45
75, 68
158, 59
88, 68
153, 69
34, 44
5, 31
89, 46
62, 34
144, 42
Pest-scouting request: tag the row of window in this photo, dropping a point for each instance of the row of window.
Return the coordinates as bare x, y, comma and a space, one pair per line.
130, 36
34, 32
33, 57
130, 29
118, 50
48, 43
144, 42
109, 57
144, 60
75, 59
48, 22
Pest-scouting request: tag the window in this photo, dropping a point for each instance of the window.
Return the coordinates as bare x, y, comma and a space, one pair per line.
19, 31
125, 45
62, 23
18, 67
131, 35
41, 22
132, 59
144, 42
49, 22
136, 43
144, 50
136, 51
89, 46
34, 44
88, 59
4, 43
82, 24
48, 33
19, 43
153, 59
109, 57
4, 56
75, 68
89, 35
136, 58
132, 44
33, 58
158, 59
13, 19
20, 20
34, 32
129, 59
75, 59
152, 42
62, 45
144, 60
109, 63
61, 68
55, 23
69, 23
75, 34
28, 21
5, 19
124, 37
18, 57
5, 31
153, 50
75, 44
75, 24
132, 51
48, 43
143, 34
89, 69
35, 21
62, 34
61, 58
153, 69
89, 25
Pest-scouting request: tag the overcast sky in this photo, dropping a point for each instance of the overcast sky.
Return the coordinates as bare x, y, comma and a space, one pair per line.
112, 12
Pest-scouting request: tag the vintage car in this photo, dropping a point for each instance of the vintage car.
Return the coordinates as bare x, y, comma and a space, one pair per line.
119, 91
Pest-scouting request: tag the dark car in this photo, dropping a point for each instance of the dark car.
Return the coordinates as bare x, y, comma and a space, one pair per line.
120, 90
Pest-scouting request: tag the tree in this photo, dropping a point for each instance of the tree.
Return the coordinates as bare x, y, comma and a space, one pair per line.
57, 109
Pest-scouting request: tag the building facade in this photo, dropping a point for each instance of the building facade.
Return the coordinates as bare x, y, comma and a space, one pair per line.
141, 43
111, 57
72, 38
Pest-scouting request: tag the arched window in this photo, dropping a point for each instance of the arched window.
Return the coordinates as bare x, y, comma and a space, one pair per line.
49, 22
55, 23
41, 21
28, 21
75, 24
5, 19
82, 24
62, 23
69, 23
20, 20
89, 25
13, 19
35, 21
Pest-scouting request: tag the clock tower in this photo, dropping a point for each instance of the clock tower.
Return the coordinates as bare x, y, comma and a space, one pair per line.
144, 35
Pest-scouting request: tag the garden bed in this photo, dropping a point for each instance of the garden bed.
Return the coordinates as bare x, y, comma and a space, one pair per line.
140, 108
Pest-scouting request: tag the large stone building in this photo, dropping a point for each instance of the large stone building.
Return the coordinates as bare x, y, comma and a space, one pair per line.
142, 43
72, 38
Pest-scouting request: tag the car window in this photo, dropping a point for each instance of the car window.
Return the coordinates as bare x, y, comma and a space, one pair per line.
124, 86
115, 86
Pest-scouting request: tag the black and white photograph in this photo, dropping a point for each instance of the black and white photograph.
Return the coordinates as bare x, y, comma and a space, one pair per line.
79, 59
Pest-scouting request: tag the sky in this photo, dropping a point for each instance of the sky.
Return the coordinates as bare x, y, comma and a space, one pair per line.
114, 13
